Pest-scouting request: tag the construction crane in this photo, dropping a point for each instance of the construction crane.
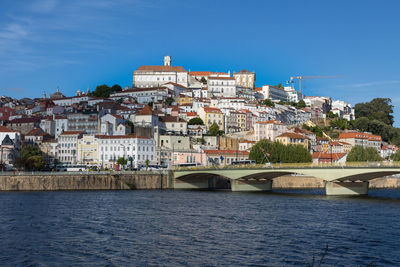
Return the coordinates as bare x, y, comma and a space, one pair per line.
300, 78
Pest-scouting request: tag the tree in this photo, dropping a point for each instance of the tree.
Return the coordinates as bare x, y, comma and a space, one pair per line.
119, 101
360, 154
214, 129
147, 162
101, 91
341, 124
377, 109
396, 156
116, 88
122, 161
269, 103
195, 121
169, 101
203, 80
278, 152
332, 115
301, 104
31, 158
279, 85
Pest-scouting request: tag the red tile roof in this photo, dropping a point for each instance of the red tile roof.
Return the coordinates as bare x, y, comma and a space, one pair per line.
358, 135
269, 122
200, 73
146, 111
221, 78
4, 129
292, 135
161, 68
212, 110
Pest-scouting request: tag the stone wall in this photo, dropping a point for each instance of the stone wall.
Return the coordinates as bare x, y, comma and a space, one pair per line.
288, 181
85, 182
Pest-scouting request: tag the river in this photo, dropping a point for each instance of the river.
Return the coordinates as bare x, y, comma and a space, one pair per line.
198, 228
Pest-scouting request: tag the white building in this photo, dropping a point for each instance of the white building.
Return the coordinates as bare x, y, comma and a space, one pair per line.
67, 147
154, 76
133, 148
245, 79
221, 87
274, 93
268, 130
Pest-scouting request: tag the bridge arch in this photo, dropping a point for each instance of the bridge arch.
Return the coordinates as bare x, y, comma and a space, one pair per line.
202, 180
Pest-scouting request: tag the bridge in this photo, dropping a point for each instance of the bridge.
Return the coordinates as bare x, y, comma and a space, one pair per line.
338, 180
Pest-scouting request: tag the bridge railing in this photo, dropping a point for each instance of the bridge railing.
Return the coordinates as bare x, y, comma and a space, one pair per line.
295, 165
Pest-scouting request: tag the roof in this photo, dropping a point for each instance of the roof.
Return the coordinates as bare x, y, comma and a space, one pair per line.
146, 111
171, 119
200, 73
117, 116
292, 135
35, 132
176, 84
220, 78
359, 135
72, 133
243, 71
129, 136
191, 114
24, 120
226, 152
212, 110
4, 129
161, 68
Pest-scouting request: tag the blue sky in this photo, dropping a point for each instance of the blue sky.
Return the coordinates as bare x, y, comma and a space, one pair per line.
78, 44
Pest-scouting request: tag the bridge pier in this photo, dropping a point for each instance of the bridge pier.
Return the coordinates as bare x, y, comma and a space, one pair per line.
346, 188
196, 183
251, 185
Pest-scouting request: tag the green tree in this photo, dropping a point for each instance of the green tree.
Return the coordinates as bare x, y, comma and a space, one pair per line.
147, 162
396, 156
122, 161
279, 86
278, 152
214, 129
169, 101
195, 121
36, 162
341, 124
377, 109
101, 91
269, 103
301, 104
203, 80
116, 88
332, 115
360, 154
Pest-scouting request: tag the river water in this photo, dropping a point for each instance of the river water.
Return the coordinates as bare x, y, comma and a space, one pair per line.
198, 228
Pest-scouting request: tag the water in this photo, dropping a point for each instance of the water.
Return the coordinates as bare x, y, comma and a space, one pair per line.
198, 228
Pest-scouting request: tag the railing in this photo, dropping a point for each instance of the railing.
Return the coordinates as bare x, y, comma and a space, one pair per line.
295, 166
51, 173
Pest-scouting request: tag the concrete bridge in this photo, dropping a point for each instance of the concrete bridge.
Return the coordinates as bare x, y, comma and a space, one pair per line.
338, 180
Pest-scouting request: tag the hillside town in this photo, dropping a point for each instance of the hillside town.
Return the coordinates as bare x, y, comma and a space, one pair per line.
174, 117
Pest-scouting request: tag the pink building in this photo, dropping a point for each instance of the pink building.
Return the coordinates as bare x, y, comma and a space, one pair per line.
189, 157
268, 130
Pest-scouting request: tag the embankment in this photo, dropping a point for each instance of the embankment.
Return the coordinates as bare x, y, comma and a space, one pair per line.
289, 181
88, 181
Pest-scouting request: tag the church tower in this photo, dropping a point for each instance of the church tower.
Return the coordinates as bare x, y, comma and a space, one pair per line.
167, 61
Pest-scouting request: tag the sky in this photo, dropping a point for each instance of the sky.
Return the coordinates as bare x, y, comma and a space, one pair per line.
79, 44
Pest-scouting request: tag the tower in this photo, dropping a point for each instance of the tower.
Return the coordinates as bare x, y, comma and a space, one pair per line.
167, 60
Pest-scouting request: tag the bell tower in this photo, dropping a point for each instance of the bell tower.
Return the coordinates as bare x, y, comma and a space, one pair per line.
167, 60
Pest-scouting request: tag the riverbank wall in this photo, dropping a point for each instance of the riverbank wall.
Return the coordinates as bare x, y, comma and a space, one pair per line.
288, 181
142, 181
88, 181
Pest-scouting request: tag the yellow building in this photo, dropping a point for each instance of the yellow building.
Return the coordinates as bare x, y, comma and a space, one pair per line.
87, 150
293, 139
184, 99
211, 115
